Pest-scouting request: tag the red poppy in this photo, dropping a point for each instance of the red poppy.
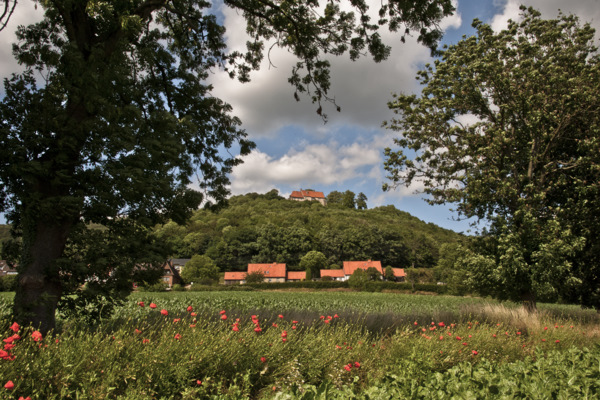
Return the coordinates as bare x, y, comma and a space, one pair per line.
465, 344
199, 382
263, 359
474, 352
274, 325
177, 336
356, 364
257, 329
36, 336
3, 354
441, 324
137, 331
9, 385
152, 305
193, 314
518, 333
284, 334
336, 316
284, 340
15, 327
326, 321
557, 341
280, 316
190, 309
223, 317
348, 367
543, 340
322, 317
294, 327
24, 398
494, 335
145, 341
192, 325
441, 337
176, 320
9, 346
294, 322
235, 328
141, 304
416, 323
164, 312
222, 312
458, 338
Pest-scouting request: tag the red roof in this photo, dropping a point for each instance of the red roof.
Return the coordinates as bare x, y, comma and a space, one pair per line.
399, 272
235, 276
307, 193
351, 266
273, 270
334, 273
296, 275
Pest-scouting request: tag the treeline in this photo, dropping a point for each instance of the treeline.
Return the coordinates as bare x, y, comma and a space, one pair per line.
263, 228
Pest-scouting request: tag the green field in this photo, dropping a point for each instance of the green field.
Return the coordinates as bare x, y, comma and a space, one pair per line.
337, 345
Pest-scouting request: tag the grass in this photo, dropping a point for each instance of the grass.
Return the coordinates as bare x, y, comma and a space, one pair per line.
338, 345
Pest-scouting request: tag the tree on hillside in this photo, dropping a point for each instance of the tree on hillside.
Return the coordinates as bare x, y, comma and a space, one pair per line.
313, 261
124, 118
348, 199
334, 197
361, 201
200, 269
507, 127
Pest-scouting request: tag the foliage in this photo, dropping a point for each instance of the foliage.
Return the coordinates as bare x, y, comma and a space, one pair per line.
8, 283
389, 273
313, 261
419, 275
255, 277
200, 269
506, 127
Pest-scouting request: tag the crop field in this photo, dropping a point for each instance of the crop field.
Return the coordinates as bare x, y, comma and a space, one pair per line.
307, 345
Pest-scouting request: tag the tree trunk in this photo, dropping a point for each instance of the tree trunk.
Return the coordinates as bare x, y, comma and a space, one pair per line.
39, 288
529, 302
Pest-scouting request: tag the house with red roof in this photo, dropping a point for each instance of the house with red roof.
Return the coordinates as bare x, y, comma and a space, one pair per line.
308, 195
349, 268
234, 278
399, 274
296, 276
274, 272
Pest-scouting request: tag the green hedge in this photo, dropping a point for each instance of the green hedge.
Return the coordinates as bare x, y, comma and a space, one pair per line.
8, 283
301, 284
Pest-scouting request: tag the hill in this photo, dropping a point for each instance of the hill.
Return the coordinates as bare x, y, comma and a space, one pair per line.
268, 228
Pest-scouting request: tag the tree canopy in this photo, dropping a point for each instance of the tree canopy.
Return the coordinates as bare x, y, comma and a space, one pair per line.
113, 116
507, 128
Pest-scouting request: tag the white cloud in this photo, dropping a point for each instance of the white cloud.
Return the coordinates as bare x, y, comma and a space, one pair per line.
312, 165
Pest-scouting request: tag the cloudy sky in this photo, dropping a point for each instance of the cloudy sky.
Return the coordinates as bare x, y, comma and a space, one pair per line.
295, 149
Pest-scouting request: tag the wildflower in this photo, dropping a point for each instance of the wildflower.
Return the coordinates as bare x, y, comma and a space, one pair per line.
280, 316
193, 314
199, 382
257, 329
190, 309
284, 334
474, 352
9, 346
177, 336
543, 340
557, 341
494, 335
338, 347
15, 327
545, 328
263, 359
348, 367
145, 341
176, 320
336, 316
4, 354
24, 398
326, 321
223, 317
356, 364
152, 306
141, 304
458, 338
235, 328
441, 324
284, 340
465, 344
164, 312
274, 325
329, 317
322, 317
192, 325
294, 322
222, 312
36, 336
518, 333
416, 323
441, 337
294, 327
9, 385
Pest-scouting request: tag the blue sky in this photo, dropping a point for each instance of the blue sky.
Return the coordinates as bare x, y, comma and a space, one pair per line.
295, 149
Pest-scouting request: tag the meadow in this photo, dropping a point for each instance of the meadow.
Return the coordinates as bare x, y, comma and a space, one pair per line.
307, 345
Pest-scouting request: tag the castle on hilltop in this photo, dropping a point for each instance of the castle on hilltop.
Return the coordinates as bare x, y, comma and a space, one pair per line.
308, 195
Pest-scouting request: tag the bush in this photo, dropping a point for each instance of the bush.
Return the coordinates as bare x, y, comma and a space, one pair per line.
178, 288
301, 284
157, 287
8, 283
221, 288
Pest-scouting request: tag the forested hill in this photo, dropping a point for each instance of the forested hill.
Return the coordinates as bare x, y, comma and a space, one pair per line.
269, 228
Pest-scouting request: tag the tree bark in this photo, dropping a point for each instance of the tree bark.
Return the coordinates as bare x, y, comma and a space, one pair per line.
39, 287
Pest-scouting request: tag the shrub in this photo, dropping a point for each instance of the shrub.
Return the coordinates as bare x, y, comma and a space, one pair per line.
178, 288
8, 283
157, 287
255, 277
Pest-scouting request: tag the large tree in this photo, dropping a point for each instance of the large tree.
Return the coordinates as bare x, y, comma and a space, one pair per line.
113, 116
507, 127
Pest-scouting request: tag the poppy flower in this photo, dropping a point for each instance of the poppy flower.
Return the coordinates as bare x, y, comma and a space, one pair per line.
164, 312
137, 331
152, 305
24, 398
326, 321
274, 325
294, 322
9, 346
280, 316
177, 336
322, 317
190, 309
223, 317
458, 338
199, 382
474, 352
3, 354
235, 328
145, 341
263, 359
176, 320
257, 329
416, 323
336, 316
36, 336
557, 341
543, 340
294, 327
222, 312
348, 367
192, 325
9, 385
193, 314
441, 324
15, 327
284, 340
284, 334
141, 304
356, 364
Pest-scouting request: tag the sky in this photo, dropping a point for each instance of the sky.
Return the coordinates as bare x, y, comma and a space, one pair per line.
295, 149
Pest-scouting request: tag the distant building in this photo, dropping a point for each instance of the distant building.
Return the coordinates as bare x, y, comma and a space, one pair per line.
296, 276
171, 271
349, 268
308, 195
234, 278
274, 272
7, 269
